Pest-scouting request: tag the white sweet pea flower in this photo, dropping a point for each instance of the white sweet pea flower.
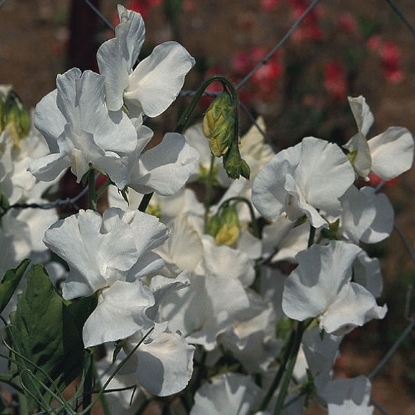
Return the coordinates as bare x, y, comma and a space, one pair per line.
153, 84
321, 287
235, 394
387, 155
302, 180
162, 364
163, 169
367, 216
109, 255
80, 131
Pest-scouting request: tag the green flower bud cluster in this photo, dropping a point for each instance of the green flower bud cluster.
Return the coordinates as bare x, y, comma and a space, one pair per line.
13, 117
219, 128
224, 226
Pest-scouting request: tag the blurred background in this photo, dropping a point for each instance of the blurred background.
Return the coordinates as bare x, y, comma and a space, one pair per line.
341, 49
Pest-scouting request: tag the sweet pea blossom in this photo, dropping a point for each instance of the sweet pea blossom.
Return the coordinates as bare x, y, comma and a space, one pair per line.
109, 255
80, 131
162, 364
163, 169
366, 216
387, 155
302, 180
153, 84
321, 287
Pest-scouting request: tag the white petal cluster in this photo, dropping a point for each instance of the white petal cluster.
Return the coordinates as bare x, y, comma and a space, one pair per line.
167, 290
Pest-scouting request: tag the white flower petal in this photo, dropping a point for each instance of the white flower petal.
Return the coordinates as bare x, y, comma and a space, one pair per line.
165, 364
158, 79
321, 273
362, 114
166, 167
116, 57
392, 152
354, 307
119, 314
348, 396
237, 393
93, 257
382, 224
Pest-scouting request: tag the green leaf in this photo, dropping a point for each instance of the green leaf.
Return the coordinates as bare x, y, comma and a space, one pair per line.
10, 282
46, 337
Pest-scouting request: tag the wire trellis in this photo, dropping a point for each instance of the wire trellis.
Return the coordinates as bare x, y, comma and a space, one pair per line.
401, 15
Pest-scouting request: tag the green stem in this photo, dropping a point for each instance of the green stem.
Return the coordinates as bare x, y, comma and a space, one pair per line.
209, 189
103, 188
198, 94
104, 402
92, 195
276, 381
88, 385
292, 358
311, 236
145, 201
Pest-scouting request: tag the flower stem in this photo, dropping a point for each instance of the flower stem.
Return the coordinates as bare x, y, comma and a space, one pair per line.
209, 189
198, 94
145, 201
89, 378
289, 367
92, 195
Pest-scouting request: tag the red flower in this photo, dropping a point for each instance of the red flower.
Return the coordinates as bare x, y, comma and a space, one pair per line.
347, 22
269, 5
375, 180
391, 61
335, 80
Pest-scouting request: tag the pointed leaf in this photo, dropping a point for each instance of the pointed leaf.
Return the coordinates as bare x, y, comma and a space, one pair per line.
10, 282
46, 336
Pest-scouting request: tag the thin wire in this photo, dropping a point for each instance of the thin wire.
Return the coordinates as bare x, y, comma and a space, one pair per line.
278, 45
261, 131
382, 410
400, 14
407, 244
50, 205
100, 15
392, 350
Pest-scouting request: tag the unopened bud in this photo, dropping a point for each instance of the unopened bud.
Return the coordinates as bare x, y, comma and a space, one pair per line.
14, 118
218, 124
234, 165
224, 226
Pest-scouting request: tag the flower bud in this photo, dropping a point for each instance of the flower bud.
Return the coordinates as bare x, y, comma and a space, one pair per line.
234, 165
14, 117
218, 124
224, 226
